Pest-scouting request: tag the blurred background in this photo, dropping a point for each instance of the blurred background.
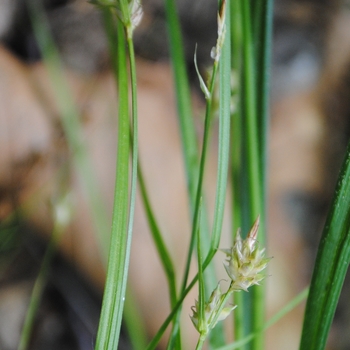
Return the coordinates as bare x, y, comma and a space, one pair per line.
310, 126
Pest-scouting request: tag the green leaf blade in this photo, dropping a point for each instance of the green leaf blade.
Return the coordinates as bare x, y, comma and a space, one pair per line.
114, 294
331, 265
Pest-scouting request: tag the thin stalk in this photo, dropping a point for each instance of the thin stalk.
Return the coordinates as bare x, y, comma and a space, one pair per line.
263, 63
200, 343
196, 216
236, 38
114, 294
263, 44
154, 342
201, 288
134, 166
224, 130
239, 332
253, 161
183, 98
223, 302
133, 321
257, 20
37, 291
236, 125
250, 113
163, 253
186, 120
71, 124
62, 210
224, 145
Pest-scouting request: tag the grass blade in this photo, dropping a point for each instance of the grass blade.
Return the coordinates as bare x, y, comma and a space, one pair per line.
217, 337
263, 43
162, 250
133, 321
263, 39
331, 265
123, 211
250, 114
236, 151
114, 294
224, 129
183, 98
256, 55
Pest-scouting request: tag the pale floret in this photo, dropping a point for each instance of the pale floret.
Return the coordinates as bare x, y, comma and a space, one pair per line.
214, 311
245, 261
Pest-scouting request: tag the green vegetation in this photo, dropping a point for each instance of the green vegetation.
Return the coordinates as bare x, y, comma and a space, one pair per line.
243, 48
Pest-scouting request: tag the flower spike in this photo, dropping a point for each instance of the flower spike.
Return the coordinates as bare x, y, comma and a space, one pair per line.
245, 260
214, 312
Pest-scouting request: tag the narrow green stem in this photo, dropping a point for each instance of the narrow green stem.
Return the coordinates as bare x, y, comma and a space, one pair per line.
196, 216
39, 286
236, 125
218, 337
224, 131
201, 293
134, 172
263, 44
114, 294
236, 153
258, 314
163, 252
201, 285
263, 62
253, 161
183, 100
203, 335
133, 320
200, 342
152, 345
239, 315
250, 113
135, 144
186, 122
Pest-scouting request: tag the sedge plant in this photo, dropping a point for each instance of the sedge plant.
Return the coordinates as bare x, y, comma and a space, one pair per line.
240, 78
244, 47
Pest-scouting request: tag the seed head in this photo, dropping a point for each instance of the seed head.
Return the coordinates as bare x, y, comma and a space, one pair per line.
214, 311
216, 50
245, 260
